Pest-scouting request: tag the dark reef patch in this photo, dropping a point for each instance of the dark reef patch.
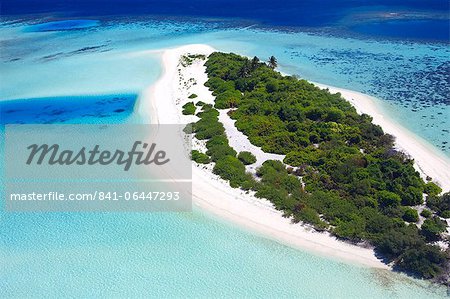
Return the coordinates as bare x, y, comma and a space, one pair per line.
62, 25
71, 109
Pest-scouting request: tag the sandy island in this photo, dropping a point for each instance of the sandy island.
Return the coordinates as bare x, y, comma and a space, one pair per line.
161, 104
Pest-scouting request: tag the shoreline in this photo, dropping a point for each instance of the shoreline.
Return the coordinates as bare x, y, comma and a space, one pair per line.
428, 161
161, 103
213, 195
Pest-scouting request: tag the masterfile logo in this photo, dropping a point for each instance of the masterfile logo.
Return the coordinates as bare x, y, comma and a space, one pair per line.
97, 167
52, 154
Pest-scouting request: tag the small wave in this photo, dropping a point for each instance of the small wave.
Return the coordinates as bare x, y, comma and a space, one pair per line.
62, 25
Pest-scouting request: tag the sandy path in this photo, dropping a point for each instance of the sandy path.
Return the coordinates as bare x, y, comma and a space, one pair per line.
162, 102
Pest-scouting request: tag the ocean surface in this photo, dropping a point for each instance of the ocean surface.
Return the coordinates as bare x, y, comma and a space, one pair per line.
75, 63
73, 110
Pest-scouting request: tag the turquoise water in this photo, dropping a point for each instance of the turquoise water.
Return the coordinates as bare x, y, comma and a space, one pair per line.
172, 255
95, 255
412, 78
62, 25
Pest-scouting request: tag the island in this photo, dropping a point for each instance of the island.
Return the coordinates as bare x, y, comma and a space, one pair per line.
299, 164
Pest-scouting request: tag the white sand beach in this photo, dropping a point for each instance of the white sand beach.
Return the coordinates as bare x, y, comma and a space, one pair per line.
161, 104
429, 161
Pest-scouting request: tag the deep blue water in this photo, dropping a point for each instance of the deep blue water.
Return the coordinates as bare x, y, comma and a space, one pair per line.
420, 29
63, 25
419, 19
74, 109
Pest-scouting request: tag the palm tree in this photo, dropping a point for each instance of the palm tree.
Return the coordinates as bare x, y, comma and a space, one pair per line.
244, 72
255, 63
272, 62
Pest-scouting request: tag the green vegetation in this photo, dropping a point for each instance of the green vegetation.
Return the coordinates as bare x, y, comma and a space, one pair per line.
227, 166
200, 103
410, 215
445, 214
355, 183
433, 227
192, 96
187, 60
425, 260
440, 204
189, 108
272, 63
199, 157
247, 157
231, 169
426, 213
431, 188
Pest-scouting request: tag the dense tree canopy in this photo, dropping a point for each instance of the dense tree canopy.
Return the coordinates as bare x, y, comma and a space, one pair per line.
348, 178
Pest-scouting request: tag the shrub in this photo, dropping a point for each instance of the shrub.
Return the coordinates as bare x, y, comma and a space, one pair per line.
410, 215
220, 151
395, 241
247, 157
249, 183
423, 261
199, 157
309, 215
352, 230
270, 166
440, 204
228, 99
200, 103
208, 125
431, 188
426, 213
189, 108
208, 132
192, 96
189, 59
275, 196
307, 155
217, 140
445, 214
189, 128
432, 228
412, 196
231, 169
386, 198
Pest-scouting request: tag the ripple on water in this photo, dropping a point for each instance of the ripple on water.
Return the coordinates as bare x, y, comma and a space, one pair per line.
62, 25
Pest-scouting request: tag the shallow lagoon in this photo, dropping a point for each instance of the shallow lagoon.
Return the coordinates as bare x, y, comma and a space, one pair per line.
128, 254
115, 57
62, 25
173, 255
